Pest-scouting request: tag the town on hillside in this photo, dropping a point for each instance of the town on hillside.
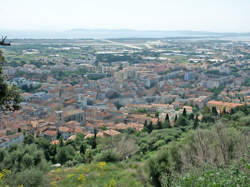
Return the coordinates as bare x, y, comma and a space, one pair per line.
79, 86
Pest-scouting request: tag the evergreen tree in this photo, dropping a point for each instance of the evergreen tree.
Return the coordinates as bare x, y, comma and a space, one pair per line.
93, 142
61, 156
196, 122
191, 116
232, 111
167, 118
167, 122
184, 113
157, 114
61, 142
175, 119
181, 121
83, 149
145, 126
29, 139
150, 127
159, 125
214, 111
58, 135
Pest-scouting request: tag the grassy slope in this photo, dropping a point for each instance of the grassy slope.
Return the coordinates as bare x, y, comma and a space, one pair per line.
96, 174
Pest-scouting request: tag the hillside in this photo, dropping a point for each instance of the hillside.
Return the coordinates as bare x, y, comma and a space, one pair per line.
211, 152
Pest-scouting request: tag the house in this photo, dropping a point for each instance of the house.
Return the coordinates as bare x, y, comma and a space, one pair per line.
65, 132
50, 134
111, 133
220, 106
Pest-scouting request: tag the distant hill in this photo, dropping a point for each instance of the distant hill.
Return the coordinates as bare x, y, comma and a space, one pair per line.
110, 33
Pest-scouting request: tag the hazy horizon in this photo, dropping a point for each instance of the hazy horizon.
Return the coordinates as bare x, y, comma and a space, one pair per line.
163, 15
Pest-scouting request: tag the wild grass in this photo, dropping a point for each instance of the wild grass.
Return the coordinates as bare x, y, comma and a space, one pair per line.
96, 174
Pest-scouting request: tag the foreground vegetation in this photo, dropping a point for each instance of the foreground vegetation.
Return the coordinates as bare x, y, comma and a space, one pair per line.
96, 174
211, 152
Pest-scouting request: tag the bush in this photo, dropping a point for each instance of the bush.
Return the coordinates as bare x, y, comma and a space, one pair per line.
215, 148
28, 178
107, 156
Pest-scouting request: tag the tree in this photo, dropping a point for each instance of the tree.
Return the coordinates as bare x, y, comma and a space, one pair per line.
224, 111
181, 121
61, 142
196, 122
159, 125
83, 149
214, 111
191, 116
184, 113
61, 156
175, 119
167, 118
150, 127
29, 139
92, 140
145, 126
157, 114
58, 134
9, 95
2, 42
167, 122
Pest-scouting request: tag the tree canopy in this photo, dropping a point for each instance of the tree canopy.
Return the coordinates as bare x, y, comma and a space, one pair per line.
9, 95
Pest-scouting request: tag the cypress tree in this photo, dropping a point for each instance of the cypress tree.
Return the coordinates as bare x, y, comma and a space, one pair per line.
196, 122
167, 118
167, 122
159, 125
145, 124
214, 111
82, 149
184, 113
175, 119
61, 142
150, 127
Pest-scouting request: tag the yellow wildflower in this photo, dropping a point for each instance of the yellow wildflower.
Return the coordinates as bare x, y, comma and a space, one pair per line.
81, 178
101, 165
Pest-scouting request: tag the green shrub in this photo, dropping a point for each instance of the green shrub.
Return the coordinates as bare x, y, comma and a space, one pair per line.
107, 156
28, 178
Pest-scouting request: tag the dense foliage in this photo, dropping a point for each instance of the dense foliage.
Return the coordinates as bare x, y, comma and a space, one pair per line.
9, 95
210, 152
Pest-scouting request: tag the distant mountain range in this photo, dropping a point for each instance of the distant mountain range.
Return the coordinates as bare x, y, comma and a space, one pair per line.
109, 33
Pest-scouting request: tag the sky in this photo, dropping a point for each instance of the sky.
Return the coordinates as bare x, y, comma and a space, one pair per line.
197, 15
